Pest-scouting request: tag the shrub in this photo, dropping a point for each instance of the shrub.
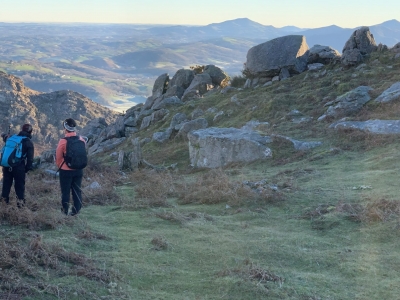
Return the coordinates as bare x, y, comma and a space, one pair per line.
238, 81
197, 69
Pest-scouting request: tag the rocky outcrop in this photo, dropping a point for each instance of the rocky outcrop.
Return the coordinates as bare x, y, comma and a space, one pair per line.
217, 147
218, 76
280, 56
349, 103
182, 79
105, 145
323, 55
184, 85
45, 111
159, 88
200, 84
395, 48
390, 94
360, 44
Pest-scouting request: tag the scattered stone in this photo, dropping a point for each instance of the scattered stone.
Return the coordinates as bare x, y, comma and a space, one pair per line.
371, 126
390, 94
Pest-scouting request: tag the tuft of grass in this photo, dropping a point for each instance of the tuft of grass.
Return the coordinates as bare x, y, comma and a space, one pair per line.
159, 243
253, 272
381, 210
182, 218
215, 186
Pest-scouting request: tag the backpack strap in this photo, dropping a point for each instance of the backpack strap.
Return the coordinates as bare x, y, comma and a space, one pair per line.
64, 138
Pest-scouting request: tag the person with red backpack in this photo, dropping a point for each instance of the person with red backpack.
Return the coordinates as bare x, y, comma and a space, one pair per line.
71, 158
16, 159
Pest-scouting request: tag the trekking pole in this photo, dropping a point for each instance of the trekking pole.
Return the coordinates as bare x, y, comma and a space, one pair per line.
81, 191
78, 196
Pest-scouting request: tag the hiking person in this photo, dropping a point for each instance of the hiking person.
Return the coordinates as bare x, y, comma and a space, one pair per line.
71, 159
16, 165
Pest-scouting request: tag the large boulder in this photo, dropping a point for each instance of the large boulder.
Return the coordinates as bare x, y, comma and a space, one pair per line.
179, 83
217, 75
93, 127
115, 130
201, 84
350, 103
156, 116
395, 48
159, 88
360, 44
323, 55
267, 59
182, 78
167, 102
217, 147
196, 124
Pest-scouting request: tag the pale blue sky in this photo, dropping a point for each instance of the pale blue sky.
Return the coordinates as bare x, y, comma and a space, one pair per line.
307, 13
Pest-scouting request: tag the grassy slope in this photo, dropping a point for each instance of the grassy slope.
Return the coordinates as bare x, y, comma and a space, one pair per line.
212, 251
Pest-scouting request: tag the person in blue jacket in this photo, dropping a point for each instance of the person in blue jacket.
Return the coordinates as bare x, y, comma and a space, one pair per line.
17, 174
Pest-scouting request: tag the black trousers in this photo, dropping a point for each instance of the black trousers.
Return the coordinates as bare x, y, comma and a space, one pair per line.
16, 174
70, 182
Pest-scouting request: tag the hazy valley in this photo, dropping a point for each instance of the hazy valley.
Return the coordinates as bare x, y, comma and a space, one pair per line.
116, 64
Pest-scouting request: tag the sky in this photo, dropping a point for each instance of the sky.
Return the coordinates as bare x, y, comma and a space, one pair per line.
279, 13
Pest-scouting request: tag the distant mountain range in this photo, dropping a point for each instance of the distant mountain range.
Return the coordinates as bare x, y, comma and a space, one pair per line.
387, 33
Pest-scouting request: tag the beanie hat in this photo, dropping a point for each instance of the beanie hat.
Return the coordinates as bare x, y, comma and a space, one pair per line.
27, 128
69, 124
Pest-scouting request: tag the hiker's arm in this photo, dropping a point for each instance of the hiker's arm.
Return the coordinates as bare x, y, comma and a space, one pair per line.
4, 136
61, 148
29, 156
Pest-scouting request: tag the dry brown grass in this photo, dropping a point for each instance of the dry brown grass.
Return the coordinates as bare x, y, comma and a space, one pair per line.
353, 139
182, 218
159, 243
381, 210
215, 187
87, 234
152, 189
107, 178
253, 272
24, 265
45, 218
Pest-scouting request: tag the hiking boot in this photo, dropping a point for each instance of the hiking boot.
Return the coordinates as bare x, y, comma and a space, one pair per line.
6, 200
63, 211
20, 203
73, 213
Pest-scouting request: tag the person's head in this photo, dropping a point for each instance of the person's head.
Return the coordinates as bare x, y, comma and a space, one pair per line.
69, 125
27, 128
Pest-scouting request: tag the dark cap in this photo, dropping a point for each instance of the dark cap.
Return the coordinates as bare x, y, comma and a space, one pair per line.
27, 128
69, 124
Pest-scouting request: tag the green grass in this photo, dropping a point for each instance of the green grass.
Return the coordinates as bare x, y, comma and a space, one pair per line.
86, 81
